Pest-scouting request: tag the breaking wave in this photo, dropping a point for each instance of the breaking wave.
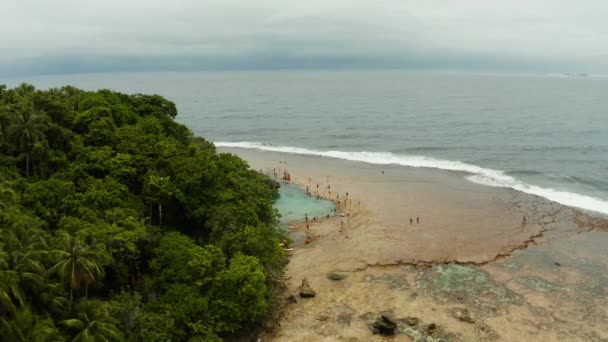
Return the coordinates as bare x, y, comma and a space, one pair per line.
477, 174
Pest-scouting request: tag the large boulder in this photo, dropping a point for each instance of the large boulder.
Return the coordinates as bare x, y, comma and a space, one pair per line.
305, 290
385, 324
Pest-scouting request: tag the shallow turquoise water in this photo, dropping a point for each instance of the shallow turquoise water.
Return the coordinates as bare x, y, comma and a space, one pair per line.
293, 204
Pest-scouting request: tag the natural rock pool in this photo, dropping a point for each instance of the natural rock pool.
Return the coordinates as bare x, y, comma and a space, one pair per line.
293, 204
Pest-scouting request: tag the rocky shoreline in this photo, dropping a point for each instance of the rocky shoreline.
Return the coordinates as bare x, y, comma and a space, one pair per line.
471, 271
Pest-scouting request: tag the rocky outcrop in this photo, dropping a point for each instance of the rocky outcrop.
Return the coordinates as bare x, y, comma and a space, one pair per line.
305, 290
384, 324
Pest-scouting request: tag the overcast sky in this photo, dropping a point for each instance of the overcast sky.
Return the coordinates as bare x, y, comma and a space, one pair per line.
43, 36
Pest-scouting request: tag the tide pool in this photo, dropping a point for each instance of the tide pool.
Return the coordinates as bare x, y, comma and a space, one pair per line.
294, 203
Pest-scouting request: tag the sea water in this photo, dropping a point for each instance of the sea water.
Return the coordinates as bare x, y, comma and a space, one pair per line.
540, 134
294, 204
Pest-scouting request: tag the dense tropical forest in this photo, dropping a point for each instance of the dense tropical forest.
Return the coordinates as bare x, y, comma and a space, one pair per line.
117, 224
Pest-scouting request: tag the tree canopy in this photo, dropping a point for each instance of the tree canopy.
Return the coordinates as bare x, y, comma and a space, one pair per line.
118, 224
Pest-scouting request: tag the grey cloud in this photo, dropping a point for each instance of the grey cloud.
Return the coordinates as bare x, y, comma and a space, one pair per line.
42, 36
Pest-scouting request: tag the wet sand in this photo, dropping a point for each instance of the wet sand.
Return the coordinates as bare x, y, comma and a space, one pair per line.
463, 273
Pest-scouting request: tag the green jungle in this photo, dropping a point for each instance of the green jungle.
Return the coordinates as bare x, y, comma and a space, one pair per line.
118, 224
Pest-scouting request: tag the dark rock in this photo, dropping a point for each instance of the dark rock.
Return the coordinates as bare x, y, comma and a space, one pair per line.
431, 328
291, 299
385, 324
557, 264
305, 290
335, 276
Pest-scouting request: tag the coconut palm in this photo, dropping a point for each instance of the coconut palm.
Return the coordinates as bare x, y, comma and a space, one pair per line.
159, 188
7, 198
26, 327
93, 322
26, 251
5, 119
26, 248
10, 293
21, 267
26, 128
78, 264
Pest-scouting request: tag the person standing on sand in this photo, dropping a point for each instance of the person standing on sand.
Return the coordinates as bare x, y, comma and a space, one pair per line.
418, 220
523, 222
411, 221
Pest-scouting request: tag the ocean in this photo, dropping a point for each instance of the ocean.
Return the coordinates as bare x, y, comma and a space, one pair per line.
542, 134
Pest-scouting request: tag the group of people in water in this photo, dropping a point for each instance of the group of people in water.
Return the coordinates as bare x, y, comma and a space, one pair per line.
342, 201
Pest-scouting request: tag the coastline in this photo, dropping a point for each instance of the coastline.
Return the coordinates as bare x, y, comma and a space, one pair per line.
472, 173
465, 228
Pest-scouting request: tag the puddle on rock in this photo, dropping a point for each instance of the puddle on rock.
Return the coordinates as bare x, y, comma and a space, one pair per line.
467, 285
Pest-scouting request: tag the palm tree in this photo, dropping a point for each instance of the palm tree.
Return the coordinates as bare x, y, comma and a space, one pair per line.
26, 248
7, 198
26, 251
10, 293
5, 118
27, 327
79, 263
158, 189
93, 322
26, 129
25, 261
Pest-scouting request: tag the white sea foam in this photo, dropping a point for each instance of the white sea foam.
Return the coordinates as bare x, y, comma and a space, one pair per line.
478, 174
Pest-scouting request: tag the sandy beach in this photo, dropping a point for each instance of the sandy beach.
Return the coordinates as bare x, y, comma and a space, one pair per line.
472, 269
